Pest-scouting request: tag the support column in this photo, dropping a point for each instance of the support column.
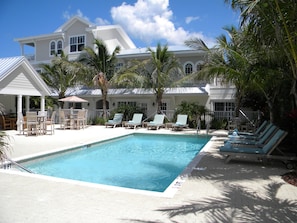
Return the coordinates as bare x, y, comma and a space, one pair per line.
19, 114
42, 103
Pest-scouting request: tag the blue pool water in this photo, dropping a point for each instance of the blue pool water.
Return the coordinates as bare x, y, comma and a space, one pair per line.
138, 161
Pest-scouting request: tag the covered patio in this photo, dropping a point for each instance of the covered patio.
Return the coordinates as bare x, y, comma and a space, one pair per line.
19, 81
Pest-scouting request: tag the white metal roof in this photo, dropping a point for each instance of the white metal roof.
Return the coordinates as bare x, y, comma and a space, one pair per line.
88, 92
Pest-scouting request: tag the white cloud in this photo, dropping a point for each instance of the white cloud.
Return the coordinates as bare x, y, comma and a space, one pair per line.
67, 15
151, 20
101, 22
191, 19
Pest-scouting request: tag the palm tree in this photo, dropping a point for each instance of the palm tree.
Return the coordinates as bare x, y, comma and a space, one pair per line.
61, 74
157, 72
101, 64
228, 61
273, 25
163, 65
4, 146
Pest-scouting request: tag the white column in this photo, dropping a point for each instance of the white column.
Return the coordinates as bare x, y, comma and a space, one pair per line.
19, 114
42, 103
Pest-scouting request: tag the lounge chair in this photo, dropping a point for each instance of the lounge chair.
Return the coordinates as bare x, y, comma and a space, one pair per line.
157, 123
251, 136
265, 124
257, 152
117, 120
136, 121
260, 141
181, 122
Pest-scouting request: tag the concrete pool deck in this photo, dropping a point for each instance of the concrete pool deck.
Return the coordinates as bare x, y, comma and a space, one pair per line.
215, 191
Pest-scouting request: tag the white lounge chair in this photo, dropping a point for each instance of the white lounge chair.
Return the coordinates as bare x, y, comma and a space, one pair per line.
157, 123
117, 120
181, 122
136, 121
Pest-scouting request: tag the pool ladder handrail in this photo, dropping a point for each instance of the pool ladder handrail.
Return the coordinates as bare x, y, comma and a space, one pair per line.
17, 164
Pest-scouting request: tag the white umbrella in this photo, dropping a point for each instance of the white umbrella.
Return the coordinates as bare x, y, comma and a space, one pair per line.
73, 99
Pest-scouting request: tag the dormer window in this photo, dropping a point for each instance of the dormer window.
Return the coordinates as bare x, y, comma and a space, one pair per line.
77, 43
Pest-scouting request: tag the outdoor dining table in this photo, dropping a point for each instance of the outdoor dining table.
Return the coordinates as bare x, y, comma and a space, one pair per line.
41, 119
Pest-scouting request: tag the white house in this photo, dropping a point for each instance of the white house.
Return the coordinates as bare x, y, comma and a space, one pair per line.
77, 33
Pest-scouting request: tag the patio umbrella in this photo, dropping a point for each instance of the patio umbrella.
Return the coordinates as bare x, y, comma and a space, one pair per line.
73, 99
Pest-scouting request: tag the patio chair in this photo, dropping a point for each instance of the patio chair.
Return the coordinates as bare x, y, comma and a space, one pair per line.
5, 122
21, 123
116, 121
79, 121
269, 151
33, 125
64, 122
135, 122
157, 123
51, 123
181, 122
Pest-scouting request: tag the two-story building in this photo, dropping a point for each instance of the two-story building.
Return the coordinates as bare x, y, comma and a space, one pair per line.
77, 33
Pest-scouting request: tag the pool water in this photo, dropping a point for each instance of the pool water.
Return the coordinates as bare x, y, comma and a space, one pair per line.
139, 161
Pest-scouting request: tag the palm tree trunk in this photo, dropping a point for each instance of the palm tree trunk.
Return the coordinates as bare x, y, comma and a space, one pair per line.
104, 99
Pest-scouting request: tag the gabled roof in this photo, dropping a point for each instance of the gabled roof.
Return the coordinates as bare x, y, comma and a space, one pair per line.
71, 21
17, 76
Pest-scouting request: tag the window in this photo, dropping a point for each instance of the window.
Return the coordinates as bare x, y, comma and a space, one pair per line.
52, 48
188, 68
118, 66
127, 103
199, 66
77, 43
224, 106
76, 105
59, 47
56, 47
219, 106
163, 106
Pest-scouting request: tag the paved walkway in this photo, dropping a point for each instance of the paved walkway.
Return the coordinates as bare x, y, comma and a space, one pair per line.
215, 191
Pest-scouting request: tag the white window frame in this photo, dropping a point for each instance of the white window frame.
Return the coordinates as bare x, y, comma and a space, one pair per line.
77, 44
52, 51
186, 68
58, 48
200, 64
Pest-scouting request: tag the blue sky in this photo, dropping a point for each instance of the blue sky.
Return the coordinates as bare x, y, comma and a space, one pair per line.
147, 22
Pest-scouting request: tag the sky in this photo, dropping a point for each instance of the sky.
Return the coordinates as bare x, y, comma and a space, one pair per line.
147, 22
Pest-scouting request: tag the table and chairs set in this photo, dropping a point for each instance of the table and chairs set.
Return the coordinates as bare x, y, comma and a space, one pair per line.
40, 123
73, 119
37, 123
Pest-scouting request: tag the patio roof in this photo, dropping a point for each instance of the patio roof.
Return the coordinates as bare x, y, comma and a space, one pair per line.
18, 77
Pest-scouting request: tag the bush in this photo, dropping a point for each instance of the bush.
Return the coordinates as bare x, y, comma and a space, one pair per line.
97, 121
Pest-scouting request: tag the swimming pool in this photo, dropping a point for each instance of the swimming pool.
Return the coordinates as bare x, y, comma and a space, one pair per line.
138, 161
